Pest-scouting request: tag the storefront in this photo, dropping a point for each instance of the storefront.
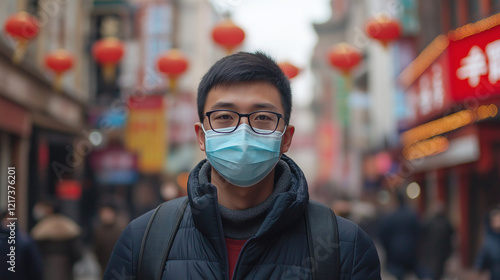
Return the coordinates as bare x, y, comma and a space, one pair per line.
39, 134
451, 147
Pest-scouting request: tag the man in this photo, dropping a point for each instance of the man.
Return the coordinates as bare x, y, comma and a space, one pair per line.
106, 233
58, 239
245, 217
399, 235
25, 261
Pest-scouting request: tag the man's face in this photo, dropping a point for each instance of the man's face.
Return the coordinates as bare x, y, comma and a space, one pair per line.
495, 222
245, 98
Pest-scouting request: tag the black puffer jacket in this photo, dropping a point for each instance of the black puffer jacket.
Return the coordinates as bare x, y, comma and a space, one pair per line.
279, 250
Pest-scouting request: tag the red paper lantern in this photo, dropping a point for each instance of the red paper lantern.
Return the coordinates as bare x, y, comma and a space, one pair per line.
289, 69
228, 35
383, 28
59, 61
344, 57
23, 27
108, 52
172, 63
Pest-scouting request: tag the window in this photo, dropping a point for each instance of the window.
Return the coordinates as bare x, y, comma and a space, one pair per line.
453, 14
32, 6
473, 10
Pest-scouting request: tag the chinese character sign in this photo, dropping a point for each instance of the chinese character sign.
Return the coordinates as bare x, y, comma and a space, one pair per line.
429, 95
475, 65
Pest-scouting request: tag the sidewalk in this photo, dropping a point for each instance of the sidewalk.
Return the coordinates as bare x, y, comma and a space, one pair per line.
455, 271
87, 268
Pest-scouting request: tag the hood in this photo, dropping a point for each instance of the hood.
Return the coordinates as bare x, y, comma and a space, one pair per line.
490, 233
55, 227
286, 208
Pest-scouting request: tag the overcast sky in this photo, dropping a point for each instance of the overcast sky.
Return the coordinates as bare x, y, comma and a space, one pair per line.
283, 29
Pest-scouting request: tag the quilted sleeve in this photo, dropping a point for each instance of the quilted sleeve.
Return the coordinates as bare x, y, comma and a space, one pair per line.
366, 264
120, 263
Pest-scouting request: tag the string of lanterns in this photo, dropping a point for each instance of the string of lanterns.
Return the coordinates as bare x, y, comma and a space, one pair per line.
109, 51
382, 28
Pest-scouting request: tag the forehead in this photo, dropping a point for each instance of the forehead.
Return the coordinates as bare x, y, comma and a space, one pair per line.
245, 98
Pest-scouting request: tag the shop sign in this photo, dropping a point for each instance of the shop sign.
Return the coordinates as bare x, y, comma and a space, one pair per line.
145, 132
475, 65
430, 95
155, 24
69, 190
328, 148
115, 165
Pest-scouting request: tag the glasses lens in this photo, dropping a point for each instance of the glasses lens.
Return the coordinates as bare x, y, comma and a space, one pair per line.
263, 122
221, 120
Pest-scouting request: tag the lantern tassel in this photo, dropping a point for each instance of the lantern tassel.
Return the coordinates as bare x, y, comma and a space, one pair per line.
385, 44
347, 76
19, 51
109, 73
58, 83
172, 82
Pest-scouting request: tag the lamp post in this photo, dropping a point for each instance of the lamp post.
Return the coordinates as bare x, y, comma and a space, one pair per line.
384, 29
344, 58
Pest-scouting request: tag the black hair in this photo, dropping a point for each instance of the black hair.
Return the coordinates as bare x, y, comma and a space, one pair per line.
495, 210
109, 204
244, 67
52, 203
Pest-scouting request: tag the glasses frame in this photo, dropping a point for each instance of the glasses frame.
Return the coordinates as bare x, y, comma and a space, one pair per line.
280, 116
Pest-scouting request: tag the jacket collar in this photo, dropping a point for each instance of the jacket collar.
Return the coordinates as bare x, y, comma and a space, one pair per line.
286, 207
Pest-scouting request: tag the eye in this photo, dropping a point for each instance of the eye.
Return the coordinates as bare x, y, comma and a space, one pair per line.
262, 118
223, 116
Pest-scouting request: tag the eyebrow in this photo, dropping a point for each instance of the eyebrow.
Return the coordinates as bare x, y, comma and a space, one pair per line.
229, 105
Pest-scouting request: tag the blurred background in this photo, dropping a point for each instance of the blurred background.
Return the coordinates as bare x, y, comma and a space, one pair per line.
394, 100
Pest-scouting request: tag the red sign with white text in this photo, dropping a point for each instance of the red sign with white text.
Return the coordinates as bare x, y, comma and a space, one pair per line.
430, 95
475, 65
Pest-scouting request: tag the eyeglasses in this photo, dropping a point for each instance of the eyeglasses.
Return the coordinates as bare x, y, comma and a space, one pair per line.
261, 122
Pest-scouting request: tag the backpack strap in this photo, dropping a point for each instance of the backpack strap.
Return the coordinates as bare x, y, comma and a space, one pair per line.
158, 238
323, 238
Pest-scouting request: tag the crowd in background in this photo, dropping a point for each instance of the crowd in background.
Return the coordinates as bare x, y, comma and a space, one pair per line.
410, 245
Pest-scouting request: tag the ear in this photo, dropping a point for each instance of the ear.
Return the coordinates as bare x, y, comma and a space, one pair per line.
201, 135
286, 140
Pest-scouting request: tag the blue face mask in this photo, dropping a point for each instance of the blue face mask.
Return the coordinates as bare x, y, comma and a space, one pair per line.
243, 157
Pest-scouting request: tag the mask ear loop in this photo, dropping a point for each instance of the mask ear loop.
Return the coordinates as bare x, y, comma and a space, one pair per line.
284, 130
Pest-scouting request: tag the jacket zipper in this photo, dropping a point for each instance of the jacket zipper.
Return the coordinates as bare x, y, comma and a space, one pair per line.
239, 258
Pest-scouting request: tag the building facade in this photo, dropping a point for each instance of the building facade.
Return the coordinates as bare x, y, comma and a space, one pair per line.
41, 129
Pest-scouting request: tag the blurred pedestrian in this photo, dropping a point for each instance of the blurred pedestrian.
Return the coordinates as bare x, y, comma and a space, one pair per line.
435, 244
106, 233
488, 258
27, 262
399, 235
58, 238
146, 196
